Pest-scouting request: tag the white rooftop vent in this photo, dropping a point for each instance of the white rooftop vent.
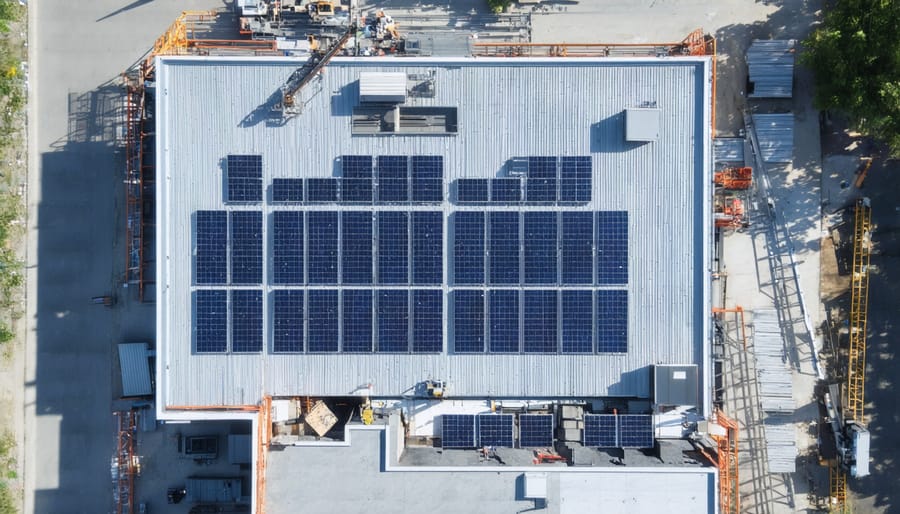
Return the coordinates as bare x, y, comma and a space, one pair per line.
641, 124
535, 486
382, 87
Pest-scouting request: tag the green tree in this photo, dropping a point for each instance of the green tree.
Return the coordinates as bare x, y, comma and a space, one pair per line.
855, 56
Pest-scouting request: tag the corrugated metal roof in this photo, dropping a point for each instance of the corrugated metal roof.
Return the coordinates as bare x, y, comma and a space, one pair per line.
781, 446
775, 383
135, 369
728, 150
775, 134
771, 68
561, 107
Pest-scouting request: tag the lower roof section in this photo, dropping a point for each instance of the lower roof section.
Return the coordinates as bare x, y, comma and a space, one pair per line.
363, 476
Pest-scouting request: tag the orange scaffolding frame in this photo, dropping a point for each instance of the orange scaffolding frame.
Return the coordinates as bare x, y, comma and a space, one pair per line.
726, 460
740, 312
134, 218
125, 465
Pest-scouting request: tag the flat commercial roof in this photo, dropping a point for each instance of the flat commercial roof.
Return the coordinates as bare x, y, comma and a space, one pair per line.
228, 332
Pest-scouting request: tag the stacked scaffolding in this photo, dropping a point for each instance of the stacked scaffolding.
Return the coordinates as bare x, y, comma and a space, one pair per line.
125, 464
134, 220
771, 68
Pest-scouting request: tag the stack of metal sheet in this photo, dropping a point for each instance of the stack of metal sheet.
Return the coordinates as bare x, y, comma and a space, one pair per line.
771, 68
775, 135
772, 370
781, 446
728, 150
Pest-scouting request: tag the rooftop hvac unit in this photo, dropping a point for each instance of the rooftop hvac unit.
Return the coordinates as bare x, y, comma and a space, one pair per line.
382, 87
641, 124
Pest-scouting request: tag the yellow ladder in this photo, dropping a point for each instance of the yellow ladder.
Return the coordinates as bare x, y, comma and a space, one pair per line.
859, 301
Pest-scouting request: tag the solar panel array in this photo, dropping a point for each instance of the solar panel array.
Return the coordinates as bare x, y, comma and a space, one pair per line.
495, 430
618, 431
372, 279
458, 431
535, 430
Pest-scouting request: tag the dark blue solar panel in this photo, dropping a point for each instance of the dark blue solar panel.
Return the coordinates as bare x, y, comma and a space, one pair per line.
356, 190
393, 247
246, 247
428, 321
288, 320
211, 320
468, 247
636, 431
504, 320
506, 190
393, 178
356, 166
535, 430
393, 321
540, 321
577, 240
540, 247
322, 190
472, 190
504, 247
577, 321
541, 183
287, 190
612, 247
600, 430
427, 178
612, 321
244, 178
322, 320
458, 431
246, 320
322, 250
575, 179
357, 320
468, 321
287, 247
427, 247
212, 247
356, 247
495, 430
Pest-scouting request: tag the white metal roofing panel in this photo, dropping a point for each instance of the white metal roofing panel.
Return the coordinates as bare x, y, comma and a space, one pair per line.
382, 86
135, 369
663, 186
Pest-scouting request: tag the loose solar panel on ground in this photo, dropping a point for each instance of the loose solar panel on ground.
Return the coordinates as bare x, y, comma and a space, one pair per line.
246, 247
468, 321
636, 431
322, 190
244, 178
458, 431
287, 190
575, 175
356, 247
357, 320
503, 314
540, 244
535, 430
288, 320
504, 247
427, 247
540, 328
211, 320
495, 430
472, 190
393, 178
246, 320
393, 321
212, 247
468, 247
287, 247
577, 238
540, 187
612, 247
322, 320
428, 320
612, 321
427, 178
600, 430
506, 190
322, 251
577, 321
393, 247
